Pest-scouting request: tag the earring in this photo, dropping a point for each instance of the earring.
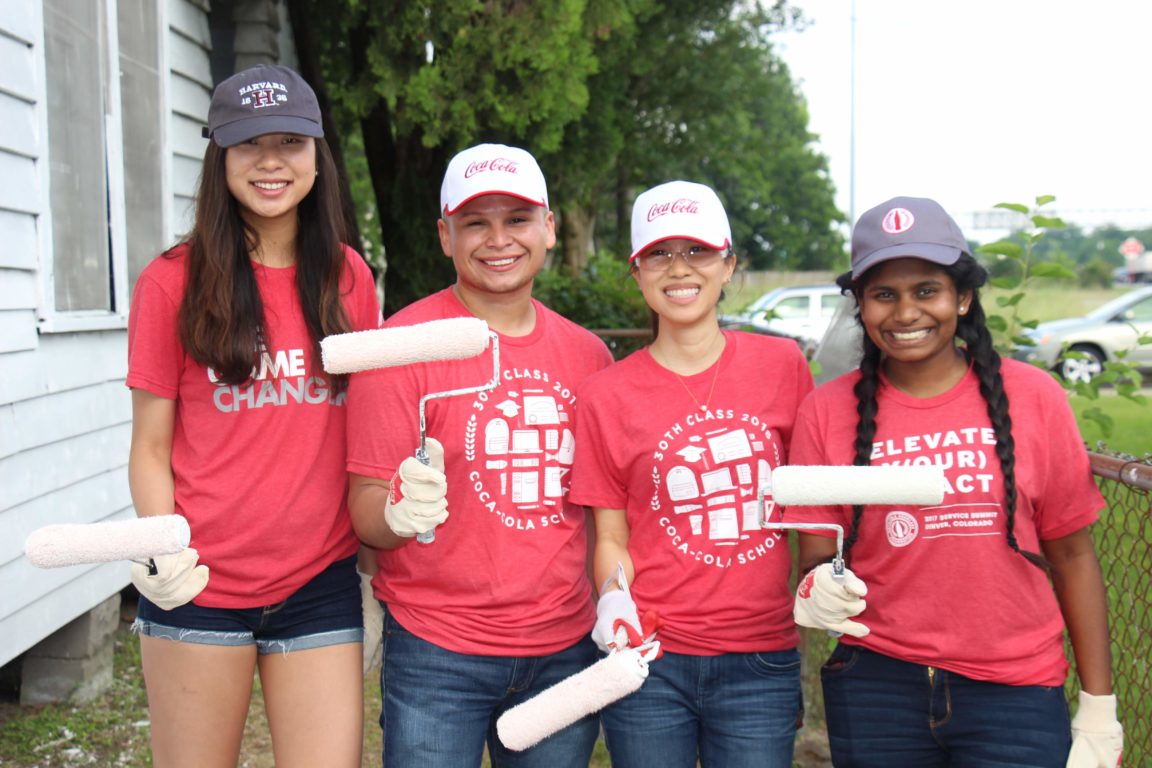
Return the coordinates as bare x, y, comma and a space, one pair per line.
963, 309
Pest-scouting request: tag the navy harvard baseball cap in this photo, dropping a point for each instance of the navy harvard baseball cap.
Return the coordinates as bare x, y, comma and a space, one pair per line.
906, 226
268, 98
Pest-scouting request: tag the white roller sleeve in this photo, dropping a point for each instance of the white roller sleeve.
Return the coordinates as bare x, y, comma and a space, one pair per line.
799, 486
449, 339
608, 680
140, 538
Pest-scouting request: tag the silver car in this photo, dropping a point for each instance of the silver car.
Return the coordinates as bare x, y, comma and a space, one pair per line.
1098, 337
800, 312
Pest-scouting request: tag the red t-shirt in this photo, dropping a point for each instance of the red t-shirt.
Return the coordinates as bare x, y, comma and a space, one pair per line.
688, 480
258, 468
944, 588
507, 573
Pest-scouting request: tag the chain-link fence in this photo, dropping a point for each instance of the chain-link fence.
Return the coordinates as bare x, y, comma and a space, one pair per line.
1124, 544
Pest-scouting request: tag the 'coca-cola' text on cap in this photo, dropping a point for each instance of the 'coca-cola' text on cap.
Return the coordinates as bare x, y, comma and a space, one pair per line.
679, 210
492, 169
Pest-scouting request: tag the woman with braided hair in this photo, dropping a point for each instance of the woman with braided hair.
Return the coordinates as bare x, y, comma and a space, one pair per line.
956, 657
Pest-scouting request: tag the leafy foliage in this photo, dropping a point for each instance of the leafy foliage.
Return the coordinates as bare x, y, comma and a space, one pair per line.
1008, 325
601, 296
700, 94
611, 95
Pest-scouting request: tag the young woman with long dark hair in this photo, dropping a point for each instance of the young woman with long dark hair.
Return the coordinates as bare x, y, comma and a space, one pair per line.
236, 427
954, 615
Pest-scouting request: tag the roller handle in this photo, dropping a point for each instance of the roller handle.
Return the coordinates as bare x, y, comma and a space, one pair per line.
838, 577
427, 537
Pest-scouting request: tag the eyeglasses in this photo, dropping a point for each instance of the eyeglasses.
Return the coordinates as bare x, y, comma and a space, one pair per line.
695, 256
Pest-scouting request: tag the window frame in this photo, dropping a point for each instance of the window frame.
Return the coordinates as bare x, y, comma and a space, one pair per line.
52, 319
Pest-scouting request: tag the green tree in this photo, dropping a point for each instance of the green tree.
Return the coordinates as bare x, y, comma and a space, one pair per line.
421, 80
611, 95
696, 91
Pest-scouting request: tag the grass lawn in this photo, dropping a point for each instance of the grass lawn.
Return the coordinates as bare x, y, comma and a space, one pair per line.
1132, 424
113, 729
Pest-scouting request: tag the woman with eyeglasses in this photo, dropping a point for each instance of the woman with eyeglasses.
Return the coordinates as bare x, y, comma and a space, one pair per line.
674, 443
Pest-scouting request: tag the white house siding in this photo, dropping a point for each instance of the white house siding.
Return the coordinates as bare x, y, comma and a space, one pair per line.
190, 91
65, 415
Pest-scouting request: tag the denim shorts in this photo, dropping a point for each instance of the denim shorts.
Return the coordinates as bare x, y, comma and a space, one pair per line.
325, 611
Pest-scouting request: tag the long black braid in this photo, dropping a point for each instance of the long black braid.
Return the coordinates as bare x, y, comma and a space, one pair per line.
967, 275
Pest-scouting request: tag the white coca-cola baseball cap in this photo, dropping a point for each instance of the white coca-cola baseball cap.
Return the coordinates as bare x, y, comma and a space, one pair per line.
679, 210
492, 169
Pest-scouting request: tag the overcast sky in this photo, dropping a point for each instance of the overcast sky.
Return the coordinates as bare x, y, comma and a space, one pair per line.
976, 102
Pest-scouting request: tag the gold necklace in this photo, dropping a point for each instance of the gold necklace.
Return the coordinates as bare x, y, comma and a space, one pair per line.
708, 402
715, 375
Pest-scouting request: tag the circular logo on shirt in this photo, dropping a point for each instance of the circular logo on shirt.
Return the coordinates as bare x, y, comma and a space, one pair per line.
901, 528
520, 443
708, 470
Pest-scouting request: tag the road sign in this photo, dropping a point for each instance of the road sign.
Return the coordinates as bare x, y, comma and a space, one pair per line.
1132, 247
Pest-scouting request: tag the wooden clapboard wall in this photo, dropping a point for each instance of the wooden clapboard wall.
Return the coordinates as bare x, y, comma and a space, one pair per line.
65, 416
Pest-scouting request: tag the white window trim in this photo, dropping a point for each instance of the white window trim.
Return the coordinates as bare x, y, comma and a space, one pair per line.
50, 319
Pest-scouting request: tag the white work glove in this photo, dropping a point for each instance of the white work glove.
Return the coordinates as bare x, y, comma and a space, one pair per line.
373, 624
177, 580
615, 610
1097, 736
822, 602
417, 500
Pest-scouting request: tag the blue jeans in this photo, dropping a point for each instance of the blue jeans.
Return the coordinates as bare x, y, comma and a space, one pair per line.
884, 712
727, 711
440, 707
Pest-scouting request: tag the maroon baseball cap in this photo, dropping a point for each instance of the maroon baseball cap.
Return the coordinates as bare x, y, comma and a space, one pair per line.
906, 226
268, 98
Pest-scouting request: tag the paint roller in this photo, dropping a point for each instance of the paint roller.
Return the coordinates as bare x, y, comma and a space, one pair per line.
452, 338
615, 676
449, 339
794, 485
141, 539
611, 678
798, 486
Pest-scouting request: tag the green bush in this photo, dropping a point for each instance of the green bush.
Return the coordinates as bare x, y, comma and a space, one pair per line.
602, 296
1096, 273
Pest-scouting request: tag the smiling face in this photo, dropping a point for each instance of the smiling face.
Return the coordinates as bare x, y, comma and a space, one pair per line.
497, 243
683, 294
909, 308
269, 176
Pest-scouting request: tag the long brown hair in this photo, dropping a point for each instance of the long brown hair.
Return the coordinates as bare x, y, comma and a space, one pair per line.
221, 315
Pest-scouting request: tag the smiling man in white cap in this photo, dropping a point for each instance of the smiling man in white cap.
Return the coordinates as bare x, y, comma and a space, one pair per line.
499, 606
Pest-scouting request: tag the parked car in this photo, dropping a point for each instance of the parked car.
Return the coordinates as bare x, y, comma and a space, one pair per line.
1098, 337
800, 312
